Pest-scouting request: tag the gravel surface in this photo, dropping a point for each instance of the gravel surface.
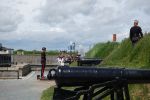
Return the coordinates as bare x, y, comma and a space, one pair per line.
27, 88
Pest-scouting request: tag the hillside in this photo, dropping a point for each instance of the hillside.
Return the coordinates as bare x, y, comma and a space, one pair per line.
102, 50
125, 55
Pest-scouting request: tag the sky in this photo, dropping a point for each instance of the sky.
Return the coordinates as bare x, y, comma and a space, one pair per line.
54, 24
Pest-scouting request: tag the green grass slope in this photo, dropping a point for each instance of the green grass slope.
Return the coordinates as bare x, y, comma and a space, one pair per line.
127, 55
102, 50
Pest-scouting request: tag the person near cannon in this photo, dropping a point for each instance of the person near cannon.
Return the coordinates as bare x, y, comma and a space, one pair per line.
43, 61
135, 33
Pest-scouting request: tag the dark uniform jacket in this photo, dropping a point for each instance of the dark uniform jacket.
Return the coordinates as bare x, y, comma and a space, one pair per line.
43, 57
135, 33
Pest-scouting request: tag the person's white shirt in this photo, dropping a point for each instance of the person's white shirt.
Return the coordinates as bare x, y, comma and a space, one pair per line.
62, 62
58, 60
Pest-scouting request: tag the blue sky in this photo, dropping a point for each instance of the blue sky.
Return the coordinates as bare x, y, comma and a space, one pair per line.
32, 24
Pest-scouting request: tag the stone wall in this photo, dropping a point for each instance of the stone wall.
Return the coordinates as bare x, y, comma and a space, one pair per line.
24, 70
30, 59
16, 71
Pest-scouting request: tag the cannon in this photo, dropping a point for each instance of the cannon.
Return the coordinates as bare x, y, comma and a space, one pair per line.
88, 61
96, 83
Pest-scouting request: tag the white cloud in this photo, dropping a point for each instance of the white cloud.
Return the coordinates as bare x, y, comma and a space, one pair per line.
9, 16
56, 22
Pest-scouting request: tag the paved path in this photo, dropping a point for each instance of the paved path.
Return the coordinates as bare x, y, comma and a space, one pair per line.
27, 88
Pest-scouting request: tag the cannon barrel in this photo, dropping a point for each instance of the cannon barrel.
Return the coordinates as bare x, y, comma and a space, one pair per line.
89, 61
82, 76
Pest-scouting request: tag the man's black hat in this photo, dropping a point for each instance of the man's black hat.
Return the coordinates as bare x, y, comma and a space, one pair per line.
43, 48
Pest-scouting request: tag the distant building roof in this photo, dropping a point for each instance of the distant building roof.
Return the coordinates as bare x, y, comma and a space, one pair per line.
4, 48
0, 45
